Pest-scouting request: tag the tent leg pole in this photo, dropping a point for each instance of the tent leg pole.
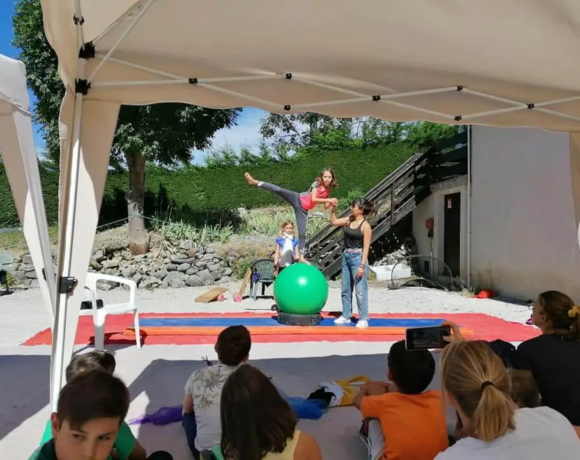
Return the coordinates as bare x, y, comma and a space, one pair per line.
469, 205
59, 329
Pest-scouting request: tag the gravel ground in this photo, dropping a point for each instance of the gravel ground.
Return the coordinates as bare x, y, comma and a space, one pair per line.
23, 314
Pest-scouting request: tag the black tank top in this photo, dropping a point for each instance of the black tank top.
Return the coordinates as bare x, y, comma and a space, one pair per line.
353, 237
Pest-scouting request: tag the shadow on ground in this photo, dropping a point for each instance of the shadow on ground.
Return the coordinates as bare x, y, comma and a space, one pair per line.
24, 388
159, 382
337, 431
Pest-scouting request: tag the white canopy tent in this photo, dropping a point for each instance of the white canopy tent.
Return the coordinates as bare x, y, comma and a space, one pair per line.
450, 61
21, 165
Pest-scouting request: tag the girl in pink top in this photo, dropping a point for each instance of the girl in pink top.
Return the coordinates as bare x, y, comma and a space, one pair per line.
303, 202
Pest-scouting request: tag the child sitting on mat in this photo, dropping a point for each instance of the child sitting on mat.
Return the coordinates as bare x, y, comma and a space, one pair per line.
524, 393
401, 418
286, 251
201, 404
90, 412
126, 446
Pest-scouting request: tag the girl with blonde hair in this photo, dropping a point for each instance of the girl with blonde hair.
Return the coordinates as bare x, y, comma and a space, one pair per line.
286, 250
477, 384
318, 193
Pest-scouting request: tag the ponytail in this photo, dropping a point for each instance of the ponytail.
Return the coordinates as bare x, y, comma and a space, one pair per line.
477, 379
574, 315
493, 416
562, 314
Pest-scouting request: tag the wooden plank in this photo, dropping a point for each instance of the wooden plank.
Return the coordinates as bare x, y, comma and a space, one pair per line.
238, 296
459, 154
210, 295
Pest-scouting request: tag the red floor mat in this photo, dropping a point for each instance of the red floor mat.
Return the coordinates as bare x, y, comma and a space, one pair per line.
483, 326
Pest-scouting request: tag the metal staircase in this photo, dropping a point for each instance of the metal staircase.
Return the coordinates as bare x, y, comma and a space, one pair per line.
395, 197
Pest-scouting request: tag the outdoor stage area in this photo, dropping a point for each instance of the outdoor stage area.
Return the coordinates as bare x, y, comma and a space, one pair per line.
156, 374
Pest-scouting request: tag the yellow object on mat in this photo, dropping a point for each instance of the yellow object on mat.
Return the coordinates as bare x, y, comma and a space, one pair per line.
344, 390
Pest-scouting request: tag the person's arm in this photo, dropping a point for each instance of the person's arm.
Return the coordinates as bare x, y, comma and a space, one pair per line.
338, 222
188, 404
307, 448
358, 399
276, 256
456, 334
317, 200
139, 452
367, 232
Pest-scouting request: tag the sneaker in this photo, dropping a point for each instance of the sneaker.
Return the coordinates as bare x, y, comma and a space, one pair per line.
362, 324
342, 320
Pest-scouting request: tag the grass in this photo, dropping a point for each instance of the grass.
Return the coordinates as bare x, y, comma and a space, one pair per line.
267, 222
15, 242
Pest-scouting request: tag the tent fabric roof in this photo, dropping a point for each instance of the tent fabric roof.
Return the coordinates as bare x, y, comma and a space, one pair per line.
448, 61
21, 166
452, 61
13, 91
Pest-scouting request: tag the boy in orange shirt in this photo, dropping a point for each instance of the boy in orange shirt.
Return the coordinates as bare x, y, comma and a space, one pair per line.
403, 421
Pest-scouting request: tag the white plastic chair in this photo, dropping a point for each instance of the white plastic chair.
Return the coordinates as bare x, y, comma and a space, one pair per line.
99, 314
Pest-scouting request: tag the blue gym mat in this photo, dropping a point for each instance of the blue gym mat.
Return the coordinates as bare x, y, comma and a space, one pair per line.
269, 322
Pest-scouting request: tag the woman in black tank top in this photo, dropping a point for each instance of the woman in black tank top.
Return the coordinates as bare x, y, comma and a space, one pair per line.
357, 242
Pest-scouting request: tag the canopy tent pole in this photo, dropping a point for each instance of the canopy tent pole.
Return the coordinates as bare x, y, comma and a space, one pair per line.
126, 32
66, 283
468, 206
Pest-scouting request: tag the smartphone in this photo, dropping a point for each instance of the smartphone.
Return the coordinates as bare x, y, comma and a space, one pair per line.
425, 338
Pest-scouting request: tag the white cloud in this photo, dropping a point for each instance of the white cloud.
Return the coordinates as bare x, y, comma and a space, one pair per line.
245, 134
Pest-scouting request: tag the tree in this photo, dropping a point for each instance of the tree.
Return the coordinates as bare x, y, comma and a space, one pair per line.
297, 130
265, 153
163, 133
424, 134
247, 158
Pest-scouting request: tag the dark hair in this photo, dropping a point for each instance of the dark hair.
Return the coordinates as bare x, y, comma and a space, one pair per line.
233, 345
91, 395
524, 390
366, 206
560, 311
412, 371
99, 360
333, 182
255, 419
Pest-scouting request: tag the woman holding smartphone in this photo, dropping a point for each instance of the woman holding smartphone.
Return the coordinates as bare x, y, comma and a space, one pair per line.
357, 237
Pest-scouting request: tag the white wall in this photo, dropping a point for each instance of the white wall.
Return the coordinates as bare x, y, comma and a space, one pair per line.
524, 237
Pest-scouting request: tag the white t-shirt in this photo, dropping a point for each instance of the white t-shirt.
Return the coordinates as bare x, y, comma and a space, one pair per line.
287, 252
205, 387
540, 434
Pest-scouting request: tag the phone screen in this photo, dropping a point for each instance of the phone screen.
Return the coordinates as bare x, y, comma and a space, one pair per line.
424, 338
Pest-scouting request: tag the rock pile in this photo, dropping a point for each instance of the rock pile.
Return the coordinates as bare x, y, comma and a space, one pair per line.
184, 265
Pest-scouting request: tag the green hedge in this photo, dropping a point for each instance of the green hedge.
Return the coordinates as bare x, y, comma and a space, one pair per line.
204, 194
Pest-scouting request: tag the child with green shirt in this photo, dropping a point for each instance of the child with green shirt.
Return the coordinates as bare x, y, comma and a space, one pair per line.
125, 446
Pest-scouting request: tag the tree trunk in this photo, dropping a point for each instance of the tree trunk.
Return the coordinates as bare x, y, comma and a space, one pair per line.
138, 236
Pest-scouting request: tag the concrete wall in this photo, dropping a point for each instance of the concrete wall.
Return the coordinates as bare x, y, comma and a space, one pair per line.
524, 236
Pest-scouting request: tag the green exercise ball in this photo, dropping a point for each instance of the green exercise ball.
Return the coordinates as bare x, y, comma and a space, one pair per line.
301, 289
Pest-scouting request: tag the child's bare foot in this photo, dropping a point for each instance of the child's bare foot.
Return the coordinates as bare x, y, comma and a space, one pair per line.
304, 261
250, 179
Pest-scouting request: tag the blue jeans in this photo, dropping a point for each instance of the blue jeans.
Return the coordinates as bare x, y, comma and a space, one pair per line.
190, 427
350, 263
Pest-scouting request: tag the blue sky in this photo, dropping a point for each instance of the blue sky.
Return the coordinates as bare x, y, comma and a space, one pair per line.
246, 133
